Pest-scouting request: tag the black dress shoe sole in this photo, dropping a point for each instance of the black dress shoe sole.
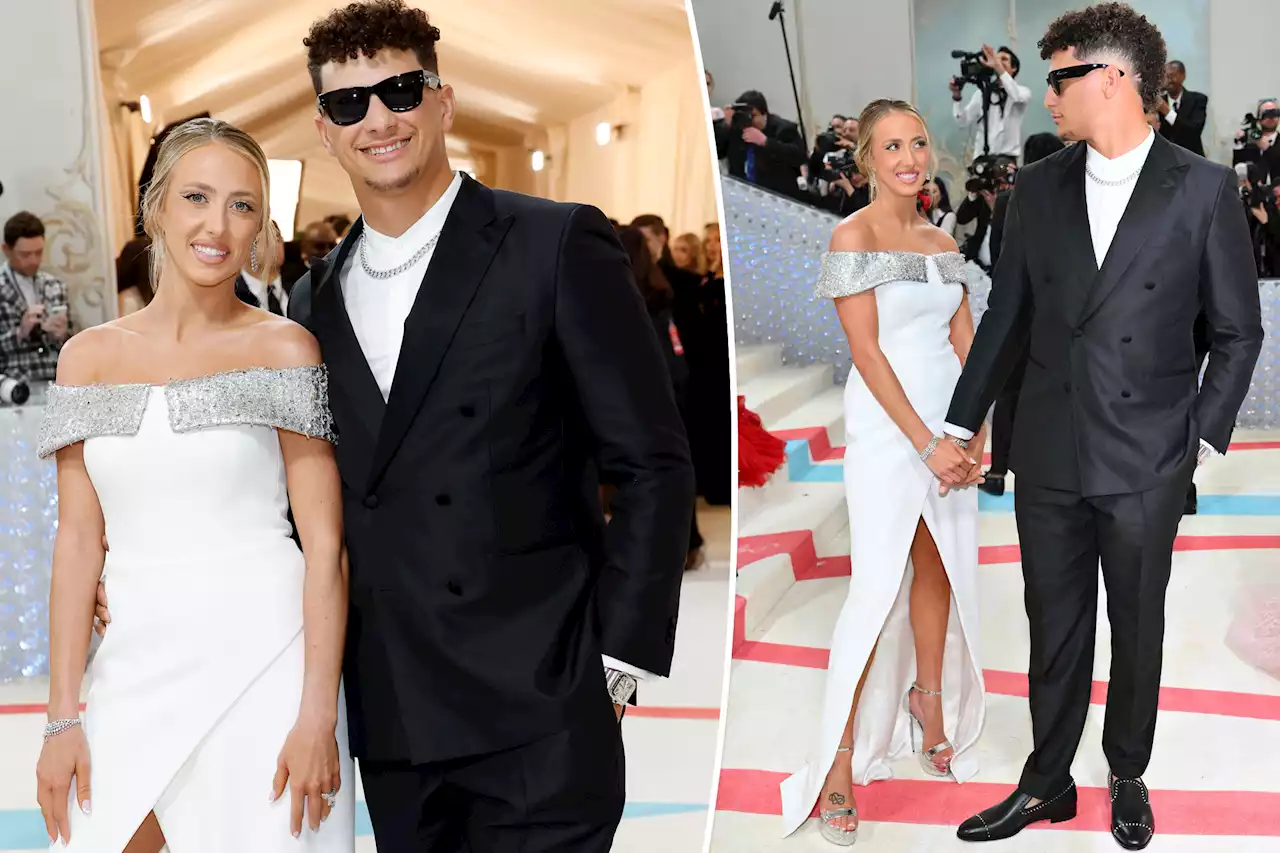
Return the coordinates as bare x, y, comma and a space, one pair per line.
1134, 845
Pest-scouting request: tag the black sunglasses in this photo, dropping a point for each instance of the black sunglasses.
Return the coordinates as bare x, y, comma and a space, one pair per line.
400, 94
1058, 75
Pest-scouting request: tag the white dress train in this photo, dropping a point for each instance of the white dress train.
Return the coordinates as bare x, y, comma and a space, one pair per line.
889, 489
198, 680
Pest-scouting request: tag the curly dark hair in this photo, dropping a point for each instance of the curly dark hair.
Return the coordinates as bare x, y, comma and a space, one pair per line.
367, 27
1117, 29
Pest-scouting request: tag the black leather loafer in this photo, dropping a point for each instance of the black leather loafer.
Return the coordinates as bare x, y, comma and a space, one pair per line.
1132, 823
1008, 818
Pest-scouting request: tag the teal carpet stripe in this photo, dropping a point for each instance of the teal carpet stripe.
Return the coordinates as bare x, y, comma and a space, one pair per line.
23, 829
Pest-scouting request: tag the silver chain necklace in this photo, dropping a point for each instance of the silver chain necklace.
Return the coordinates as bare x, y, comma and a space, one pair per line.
1119, 182
392, 273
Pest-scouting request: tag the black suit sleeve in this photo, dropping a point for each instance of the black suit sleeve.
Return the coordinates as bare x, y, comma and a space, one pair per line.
624, 390
300, 301
998, 216
1229, 296
1001, 333
787, 147
1191, 125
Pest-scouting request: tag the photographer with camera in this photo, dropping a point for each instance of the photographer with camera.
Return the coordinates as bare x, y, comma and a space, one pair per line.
34, 321
1255, 142
833, 178
762, 148
1258, 193
990, 177
997, 108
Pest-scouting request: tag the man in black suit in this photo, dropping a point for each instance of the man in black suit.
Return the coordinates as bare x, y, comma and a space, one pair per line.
765, 150
1182, 112
1112, 249
497, 625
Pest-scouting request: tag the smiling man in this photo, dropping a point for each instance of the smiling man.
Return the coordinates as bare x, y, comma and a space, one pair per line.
491, 364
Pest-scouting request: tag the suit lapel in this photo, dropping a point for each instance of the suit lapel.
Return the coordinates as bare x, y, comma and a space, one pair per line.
342, 352
468, 243
1157, 184
1081, 261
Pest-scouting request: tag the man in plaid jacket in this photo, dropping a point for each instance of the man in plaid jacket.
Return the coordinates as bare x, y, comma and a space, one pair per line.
34, 320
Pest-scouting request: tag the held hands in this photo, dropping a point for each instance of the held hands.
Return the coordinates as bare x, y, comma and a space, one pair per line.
308, 763
950, 463
64, 755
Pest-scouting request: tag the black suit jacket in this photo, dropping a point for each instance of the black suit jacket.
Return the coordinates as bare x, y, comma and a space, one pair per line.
484, 582
1193, 111
1109, 403
777, 162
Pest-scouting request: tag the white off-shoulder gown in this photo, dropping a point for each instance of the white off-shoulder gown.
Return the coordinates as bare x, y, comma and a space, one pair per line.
199, 678
889, 489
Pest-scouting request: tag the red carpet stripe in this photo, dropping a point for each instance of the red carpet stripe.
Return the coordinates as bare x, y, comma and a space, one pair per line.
945, 803
806, 564
1221, 703
41, 708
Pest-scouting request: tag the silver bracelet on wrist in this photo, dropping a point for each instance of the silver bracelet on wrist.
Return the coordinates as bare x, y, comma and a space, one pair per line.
57, 727
929, 448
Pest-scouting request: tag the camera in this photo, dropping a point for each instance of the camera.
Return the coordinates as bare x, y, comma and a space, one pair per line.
991, 173
13, 392
837, 160
971, 69
1257, 192
741, 116
1252, 125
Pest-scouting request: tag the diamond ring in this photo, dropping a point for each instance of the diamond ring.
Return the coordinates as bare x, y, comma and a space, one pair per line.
331, 797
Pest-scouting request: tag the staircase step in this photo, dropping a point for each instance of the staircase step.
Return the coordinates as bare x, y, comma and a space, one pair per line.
778, 394
757, 359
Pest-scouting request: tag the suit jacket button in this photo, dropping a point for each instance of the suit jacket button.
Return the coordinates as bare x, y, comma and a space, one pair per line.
1126, 340
1125, 394
453, 588
1151, 285
1076, 333
371, 502
467, 411
443, 500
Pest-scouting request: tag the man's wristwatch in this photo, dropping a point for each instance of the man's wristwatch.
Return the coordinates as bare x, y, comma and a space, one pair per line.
959, 442
621, 686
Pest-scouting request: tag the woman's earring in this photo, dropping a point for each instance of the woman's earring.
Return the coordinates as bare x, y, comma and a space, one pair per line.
253, 256
928, 177
873, 183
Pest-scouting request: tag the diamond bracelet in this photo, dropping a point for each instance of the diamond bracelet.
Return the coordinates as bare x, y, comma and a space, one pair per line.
57, 727
929, 448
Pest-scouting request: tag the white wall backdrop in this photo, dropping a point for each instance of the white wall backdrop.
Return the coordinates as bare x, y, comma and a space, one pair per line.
848, 52
50, 161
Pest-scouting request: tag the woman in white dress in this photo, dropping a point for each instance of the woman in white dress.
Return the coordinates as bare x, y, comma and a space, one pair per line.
903, 673
182, 434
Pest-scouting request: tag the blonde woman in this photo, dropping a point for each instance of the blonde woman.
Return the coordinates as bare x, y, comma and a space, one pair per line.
686, 252
182, 434
903, 675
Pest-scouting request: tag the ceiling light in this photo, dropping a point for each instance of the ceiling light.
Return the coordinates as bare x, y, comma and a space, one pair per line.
144, 104
604, 133
538, 161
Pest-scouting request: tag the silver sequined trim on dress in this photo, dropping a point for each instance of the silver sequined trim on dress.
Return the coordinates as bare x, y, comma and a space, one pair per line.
848, 273
74, 413
294, 399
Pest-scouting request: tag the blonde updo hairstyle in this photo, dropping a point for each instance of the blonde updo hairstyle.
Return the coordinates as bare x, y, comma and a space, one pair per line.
181, 141
871, 116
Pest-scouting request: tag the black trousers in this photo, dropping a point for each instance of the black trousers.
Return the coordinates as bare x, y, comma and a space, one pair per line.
1063, 536
1002, 416
562, 793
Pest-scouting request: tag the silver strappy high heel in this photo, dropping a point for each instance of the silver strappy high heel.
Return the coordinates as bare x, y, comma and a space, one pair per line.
844, 837
927, 755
